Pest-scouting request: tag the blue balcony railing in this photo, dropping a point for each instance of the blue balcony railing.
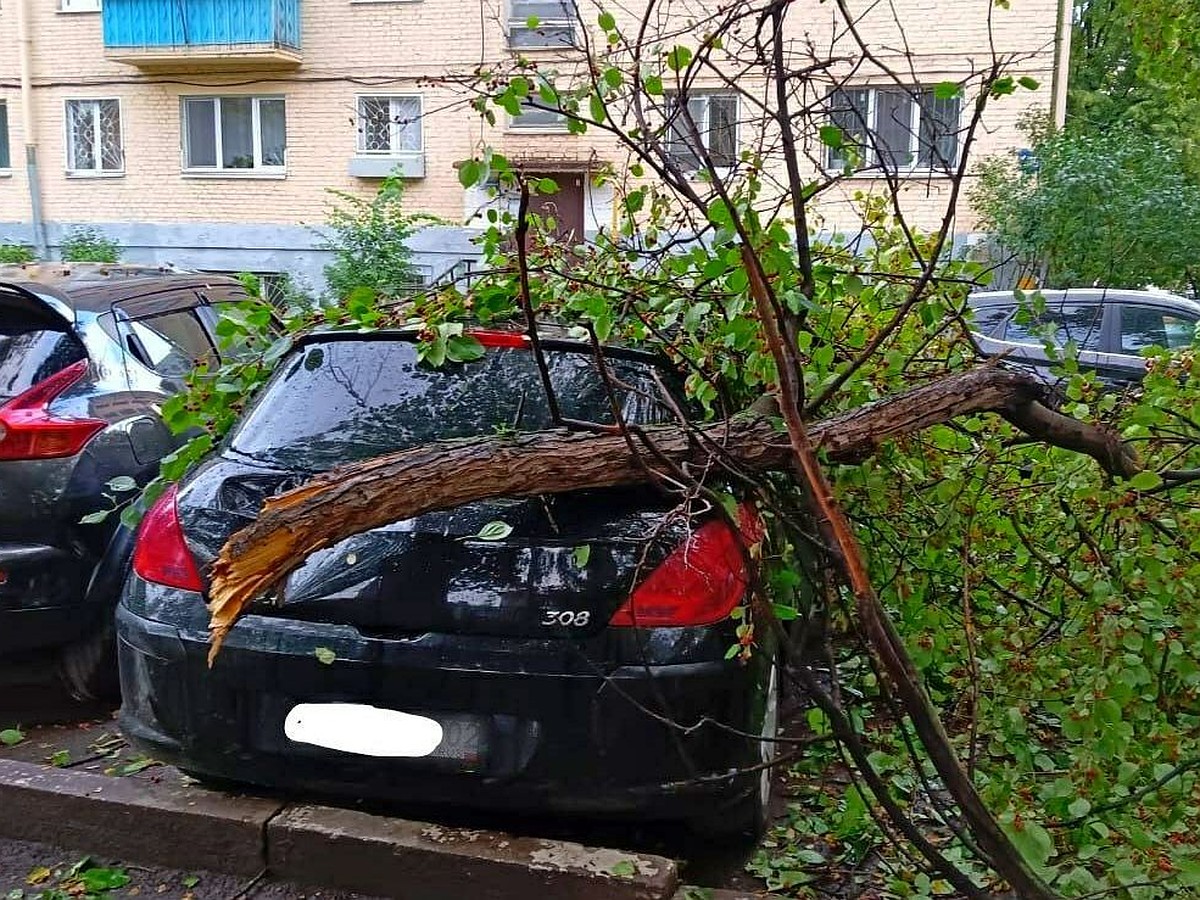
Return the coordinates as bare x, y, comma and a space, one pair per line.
187, 26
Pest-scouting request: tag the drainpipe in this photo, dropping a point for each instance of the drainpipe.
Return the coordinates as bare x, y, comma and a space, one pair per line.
1062, 64
29, 126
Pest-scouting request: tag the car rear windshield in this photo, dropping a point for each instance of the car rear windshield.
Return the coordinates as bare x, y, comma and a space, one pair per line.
340, 401
29, 354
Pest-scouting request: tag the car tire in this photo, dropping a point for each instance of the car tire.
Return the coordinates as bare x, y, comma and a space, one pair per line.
749, 817
87, 668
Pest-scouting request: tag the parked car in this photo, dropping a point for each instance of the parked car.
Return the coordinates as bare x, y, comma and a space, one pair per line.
565, 665
87, 354
1109, 327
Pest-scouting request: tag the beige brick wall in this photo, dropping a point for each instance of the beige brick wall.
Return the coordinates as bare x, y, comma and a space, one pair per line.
403, 46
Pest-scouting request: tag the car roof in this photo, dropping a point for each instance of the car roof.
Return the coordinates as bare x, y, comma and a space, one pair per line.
1102, 295
95, 287
553, 337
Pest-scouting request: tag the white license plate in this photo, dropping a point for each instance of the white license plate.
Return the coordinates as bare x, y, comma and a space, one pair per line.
363, 729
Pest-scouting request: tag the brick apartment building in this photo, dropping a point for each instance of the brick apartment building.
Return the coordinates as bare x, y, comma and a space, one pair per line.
206, 133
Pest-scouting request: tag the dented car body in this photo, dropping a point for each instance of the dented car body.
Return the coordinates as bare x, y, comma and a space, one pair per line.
563, 653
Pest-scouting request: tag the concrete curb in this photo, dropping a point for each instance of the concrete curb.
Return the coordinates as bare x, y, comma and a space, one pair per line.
193, 828
152, 824
377, 855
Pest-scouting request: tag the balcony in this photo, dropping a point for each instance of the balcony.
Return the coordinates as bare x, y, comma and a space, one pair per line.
202, 35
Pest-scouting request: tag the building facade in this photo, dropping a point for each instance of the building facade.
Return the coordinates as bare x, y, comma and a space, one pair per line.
208, 133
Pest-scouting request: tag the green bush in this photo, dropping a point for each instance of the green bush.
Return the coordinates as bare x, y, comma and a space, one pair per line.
369, 240
16, 253
89, 245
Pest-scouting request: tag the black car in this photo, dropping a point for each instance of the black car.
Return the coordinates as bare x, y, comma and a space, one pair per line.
574, 658
1109, 328
87, 354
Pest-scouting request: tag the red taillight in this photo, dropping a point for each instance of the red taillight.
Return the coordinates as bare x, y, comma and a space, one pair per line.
501, 338
28, 430
161, 554
700, 582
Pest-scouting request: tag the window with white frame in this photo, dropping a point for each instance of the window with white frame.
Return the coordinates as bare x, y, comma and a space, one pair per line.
234, 134
894, 128
5, 153
93, 133
541, 24
390, 126
74, 6
711, 122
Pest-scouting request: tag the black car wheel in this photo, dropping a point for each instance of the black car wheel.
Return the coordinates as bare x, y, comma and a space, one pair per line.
88, 667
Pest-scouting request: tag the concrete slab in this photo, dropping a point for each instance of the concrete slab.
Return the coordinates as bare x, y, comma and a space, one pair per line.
379, 855
156, 824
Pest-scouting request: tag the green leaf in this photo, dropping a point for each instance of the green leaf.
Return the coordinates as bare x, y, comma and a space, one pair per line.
678, 57
103, 879
60, 758
1003, 86
546, 186
1030, 84
947, 90
1032, 840
469, 173
606, 21
122, 484
462, 348
10, 737
596, 107
1145, 481
653, 85
493, 531
581, 554
95, 518
190, 881
137, 765
831, 136
325, 656
532, 22
623, 869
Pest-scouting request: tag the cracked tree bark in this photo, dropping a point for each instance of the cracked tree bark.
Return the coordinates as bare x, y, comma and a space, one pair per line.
355, 498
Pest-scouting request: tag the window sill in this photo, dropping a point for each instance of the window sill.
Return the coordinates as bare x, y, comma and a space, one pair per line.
77, 12
85, 176
538, 129
380, 165
902, 174
377, 2
6, 173
235, 174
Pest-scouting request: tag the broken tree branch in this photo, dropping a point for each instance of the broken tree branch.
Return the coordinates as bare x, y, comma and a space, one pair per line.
358, 497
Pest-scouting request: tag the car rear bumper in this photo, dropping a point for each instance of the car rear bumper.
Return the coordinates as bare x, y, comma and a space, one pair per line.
596, 744
41, 596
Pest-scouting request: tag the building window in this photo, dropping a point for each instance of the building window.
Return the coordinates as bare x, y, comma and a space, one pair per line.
894, 128
715, 117
536, 118
78, 6
5, 154
541, 24
389, 125
94, 137
232, 134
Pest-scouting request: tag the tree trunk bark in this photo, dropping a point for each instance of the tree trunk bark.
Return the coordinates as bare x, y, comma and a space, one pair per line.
374, 492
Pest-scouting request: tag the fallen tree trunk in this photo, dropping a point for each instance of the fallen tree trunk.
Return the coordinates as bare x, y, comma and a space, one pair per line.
355, 498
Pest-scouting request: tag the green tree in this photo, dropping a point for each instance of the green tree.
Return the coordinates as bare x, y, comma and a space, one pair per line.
369, 240
1111, 207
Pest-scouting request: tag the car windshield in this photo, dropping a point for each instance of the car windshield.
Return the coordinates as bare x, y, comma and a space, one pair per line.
338, 401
